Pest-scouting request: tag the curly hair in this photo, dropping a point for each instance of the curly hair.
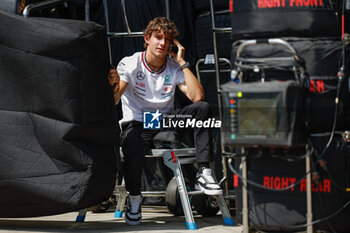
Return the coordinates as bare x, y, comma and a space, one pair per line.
161, 24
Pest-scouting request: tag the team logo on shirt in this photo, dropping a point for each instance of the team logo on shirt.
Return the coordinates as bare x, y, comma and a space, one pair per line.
151, 120
167, 78
140, 75
167, 88
140, 84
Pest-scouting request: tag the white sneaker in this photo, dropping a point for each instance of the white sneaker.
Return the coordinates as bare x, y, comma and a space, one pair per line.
206, 182
133, 210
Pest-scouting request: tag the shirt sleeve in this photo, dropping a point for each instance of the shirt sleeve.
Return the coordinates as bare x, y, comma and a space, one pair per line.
123, 71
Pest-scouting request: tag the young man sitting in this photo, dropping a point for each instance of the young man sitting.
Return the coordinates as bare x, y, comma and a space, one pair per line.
146, 82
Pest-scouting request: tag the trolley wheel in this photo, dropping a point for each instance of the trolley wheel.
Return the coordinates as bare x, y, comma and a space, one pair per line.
205, 205
172, 197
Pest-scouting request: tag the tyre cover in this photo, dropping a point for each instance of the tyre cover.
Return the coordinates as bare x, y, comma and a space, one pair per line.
258, 18
56, 116
277, 210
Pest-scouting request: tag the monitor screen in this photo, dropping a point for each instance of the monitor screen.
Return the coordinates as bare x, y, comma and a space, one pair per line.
258, 116
263, 114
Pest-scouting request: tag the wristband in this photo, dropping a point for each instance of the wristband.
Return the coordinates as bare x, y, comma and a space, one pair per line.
186, 65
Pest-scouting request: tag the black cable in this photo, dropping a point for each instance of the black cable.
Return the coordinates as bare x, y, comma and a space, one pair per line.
335, 183
324, 212
322, 206
333, 180
316, 221
296, 226
321, 219
263, 187
340, 79
290, 159
263, 66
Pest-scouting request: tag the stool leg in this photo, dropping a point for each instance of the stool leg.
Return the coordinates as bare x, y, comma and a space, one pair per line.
224, 210
81, 216
121, 200
173, 163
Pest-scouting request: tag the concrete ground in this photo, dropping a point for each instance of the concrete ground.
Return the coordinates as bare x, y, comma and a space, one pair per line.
154, 220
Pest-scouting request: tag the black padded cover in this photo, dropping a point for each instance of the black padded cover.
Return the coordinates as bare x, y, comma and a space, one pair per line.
56, 116
265, 18
279, 211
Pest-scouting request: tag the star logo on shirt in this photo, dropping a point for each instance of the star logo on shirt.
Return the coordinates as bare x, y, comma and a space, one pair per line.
140, 75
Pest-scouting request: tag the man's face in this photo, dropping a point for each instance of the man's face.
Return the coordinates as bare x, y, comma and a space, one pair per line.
159, 43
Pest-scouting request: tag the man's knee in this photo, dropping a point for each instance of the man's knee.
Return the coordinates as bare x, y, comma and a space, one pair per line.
132, 141
202, 108
201, 104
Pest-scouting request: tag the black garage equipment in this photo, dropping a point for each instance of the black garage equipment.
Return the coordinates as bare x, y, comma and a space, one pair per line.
322, 57
268, 112
57, 126
277, 187
314, 29
264, 111
285, 18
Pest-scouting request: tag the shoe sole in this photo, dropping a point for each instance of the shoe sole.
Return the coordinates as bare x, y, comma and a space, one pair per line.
133, 223
208, 192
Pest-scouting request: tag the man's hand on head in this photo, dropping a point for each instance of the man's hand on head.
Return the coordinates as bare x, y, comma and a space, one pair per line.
114, 79
179, 56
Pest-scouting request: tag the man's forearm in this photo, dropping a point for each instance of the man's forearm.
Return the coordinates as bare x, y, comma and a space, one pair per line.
194, 88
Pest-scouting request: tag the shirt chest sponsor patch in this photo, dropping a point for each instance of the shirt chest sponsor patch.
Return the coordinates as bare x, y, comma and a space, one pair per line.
167, 79
167, 95
140, 84
167, 89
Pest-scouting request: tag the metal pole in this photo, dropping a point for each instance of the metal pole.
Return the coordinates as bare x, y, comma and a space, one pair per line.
217, 68
40, 5
167, 9
105, 6
87, 10
245, 195
128, 32
217, 75
224, 168
308, 195
126, 23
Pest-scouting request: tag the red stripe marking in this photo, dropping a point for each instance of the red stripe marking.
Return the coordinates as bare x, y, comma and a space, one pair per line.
173, 156
235, 181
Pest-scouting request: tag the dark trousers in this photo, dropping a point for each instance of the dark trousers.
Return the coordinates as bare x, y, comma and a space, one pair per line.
136, 141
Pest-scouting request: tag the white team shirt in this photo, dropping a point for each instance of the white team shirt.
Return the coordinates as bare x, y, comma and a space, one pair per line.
147, 90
